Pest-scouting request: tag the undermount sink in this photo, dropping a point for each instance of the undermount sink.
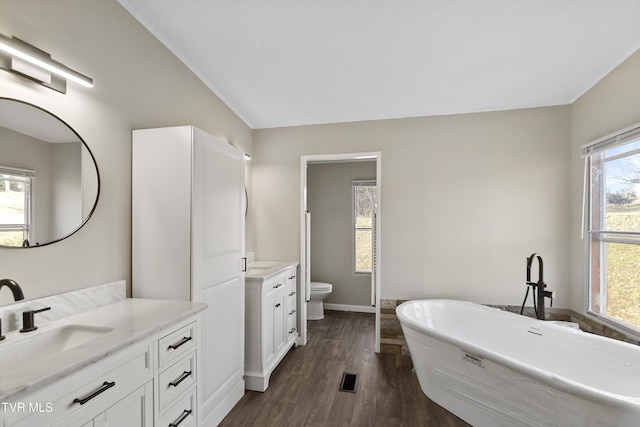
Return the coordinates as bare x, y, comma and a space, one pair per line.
20, 348
257, 268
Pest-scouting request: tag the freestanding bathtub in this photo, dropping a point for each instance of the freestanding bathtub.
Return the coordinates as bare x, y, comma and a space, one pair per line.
495, 368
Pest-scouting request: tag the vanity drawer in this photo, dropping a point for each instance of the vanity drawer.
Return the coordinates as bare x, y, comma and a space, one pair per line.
291, 327
176, 344
177, 379
93, 389
182, 414
274, 284
292, 293
291, 276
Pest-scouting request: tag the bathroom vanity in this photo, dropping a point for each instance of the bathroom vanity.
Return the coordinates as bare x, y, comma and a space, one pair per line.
271, 310
132, 363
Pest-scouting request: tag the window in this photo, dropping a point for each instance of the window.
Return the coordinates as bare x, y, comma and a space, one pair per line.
364, 208
614, 227
15, 206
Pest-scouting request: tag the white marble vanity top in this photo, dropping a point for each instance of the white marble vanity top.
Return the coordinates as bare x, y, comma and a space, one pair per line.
131, 321
265, 269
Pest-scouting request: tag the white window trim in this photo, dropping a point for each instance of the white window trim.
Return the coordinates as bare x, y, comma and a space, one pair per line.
357, 183
607, 142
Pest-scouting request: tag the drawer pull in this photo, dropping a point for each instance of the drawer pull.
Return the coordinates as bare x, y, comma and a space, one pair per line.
276, 286
292, 277
292, 331
179, 421
183, 377
292, 293
278, 305
104, 387
181, 342
292, 312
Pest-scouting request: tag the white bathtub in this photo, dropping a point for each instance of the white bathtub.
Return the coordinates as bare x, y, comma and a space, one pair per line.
494, 368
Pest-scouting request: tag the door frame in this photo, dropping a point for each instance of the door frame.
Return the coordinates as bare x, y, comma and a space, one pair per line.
304, 286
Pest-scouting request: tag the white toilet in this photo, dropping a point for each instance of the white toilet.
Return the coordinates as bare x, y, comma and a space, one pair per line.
319, 292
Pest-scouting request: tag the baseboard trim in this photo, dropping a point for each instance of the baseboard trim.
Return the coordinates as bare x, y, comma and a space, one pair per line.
347, 307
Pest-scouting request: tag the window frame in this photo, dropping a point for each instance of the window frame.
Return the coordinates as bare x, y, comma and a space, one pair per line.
355, 228
594, 211
28, 177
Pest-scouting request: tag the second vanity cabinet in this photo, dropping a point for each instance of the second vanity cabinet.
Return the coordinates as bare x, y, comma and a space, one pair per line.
271, 322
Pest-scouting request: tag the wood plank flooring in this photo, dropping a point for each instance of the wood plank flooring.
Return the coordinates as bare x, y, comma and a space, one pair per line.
303, 390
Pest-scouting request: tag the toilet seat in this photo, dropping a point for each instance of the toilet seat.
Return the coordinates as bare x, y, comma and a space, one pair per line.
321, 287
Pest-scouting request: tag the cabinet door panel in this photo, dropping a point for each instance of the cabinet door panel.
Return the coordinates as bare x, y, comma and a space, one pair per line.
217, 279
221, 362
218, 211
135, 410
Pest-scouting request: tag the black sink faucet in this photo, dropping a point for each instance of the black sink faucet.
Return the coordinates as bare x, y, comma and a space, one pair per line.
28, 322
15, 288
538, 287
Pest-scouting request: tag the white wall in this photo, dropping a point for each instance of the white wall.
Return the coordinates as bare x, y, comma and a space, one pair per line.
465, 199
612, 104
138, 84
329, 199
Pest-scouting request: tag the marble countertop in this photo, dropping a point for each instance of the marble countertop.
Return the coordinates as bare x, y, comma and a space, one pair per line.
264, 269
132, 321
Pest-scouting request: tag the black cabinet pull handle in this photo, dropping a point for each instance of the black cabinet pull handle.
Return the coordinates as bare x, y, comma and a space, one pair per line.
181, 342
292, 277
104, 387
277, 305
179, 421
277, 286
292, 293
183, 377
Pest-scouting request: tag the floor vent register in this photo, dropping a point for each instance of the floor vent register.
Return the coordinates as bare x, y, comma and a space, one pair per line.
349, 382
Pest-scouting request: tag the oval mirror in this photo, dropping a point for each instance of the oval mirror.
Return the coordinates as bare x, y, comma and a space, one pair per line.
49, 181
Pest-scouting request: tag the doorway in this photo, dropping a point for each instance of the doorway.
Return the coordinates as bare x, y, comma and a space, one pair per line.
305, 235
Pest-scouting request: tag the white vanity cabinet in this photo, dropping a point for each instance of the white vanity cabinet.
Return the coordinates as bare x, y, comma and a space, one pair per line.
188, 244
138, 386
271, 323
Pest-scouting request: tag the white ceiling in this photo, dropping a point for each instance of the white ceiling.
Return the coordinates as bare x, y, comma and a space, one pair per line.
294, 62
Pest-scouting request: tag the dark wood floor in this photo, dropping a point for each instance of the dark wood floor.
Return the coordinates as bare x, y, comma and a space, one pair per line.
303, 390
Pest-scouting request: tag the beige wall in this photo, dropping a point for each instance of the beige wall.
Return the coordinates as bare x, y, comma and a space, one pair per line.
138, 84
465, 199
612, 104
329, 199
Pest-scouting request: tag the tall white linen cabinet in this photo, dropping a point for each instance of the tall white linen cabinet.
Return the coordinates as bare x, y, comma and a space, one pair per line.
188, 243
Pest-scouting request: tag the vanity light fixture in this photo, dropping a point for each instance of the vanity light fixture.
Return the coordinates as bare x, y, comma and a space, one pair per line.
19, 57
